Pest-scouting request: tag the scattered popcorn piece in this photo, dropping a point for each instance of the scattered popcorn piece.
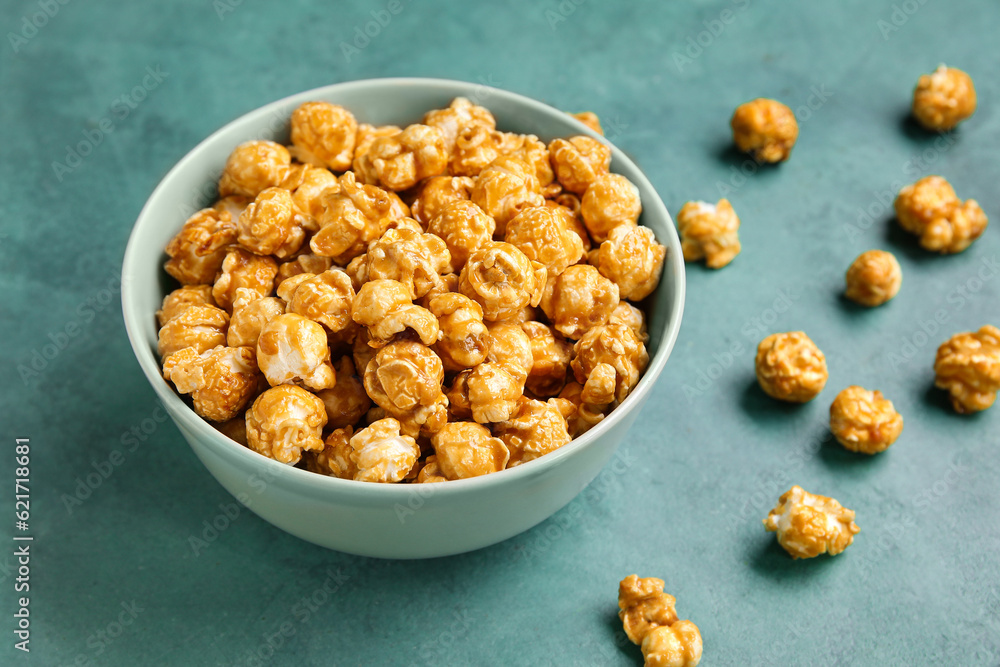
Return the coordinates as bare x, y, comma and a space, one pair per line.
809, 525
578, 161
790, 367
350, 219
272, 224
590, 119
466, 449
284, 421
242, 268
199, 327
502, 280
183, 298
221, 381
323, 135
873, 278
346, 402
766, 129
535, 429
543, 235
709, 232
325, 298
251, 312
334, 460
930, 209
464, 340
292, 348
506, 186
863, 421
253, 167
399, 161
677, 645
609, 201
633, 259
944, 98
968, 366
197, 251
404, 378
386, 308
579, 299
643, 606
382, 454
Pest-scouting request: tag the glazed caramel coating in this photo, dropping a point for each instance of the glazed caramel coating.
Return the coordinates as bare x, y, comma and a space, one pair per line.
464, 228
578, 161
568, 207
590, 119
864, 421
183, 298
400, 161
292, 348
643, 606
407, 255
930, 209
535, 429
334, 460
809, 525
284, 421
350, 219
627, 314
251, 312
944, 98
197, 251
550, 355
323, 135
404, 379
200, 327
346, 402
460, 115
790, 367
272, 224
502, 280
609, 201
488, 393
382, 454
466, 449
325, 298
873, 278
616, 345
369, 133
504, 187
475, 148
709, 232
531, 150
386, 308
676, 645
221, 381
438, 192
242, 268
968, 366
633, 259
304, 263
362, 351
232, 206
235, 429
581, 416
430, 472
308, 191
254, 166
766, 129
511, 347
543, 235
579, 299
464, 340
599, 389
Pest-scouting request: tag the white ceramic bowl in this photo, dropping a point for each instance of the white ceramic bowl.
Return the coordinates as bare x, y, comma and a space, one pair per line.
383, 520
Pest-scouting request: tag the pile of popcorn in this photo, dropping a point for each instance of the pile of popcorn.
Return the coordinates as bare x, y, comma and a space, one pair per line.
417, 304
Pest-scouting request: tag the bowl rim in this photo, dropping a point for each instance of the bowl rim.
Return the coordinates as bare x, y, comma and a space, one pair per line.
229, 449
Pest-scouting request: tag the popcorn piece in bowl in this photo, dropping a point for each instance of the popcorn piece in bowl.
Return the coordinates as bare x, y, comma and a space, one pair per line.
550, 357
590, 119
930, 209
221, 380
614, 345
808, 525
536, 428
581, 416
766, 129
627, 314
873, 278
323, 135
464, 340
386, 308
199, 248
504, 187
578, 161
303, 263
284, 421
346, 402
334, 459
464, 228
409, 256
253, 167
502, 280
400, 161
790, 367
864, 421
579, 299
183, 298
369, 133
198, 327
251, 312
643, 606
404, 378
430, 473
968, 366
438, 192
381, 453
350, 219
467, 449
633, 259
325, 298
944, 98
292, 348
272, 224
610, 200
460, 115
676, 645
475, 148
709, 232
532, 151
308, 189
242, 268
543, 235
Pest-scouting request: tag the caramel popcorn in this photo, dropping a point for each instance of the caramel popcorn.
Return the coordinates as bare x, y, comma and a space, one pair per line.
609, 201
544, 236
502, 280
221, 381
253, 167
535, 429
369, 133
464, 228
304, 263
199, 327
346, 402
627, 314
408, 256
532, 151
676, 645
488, 393
944, 98
766, 129
197, 252
579, 299
438, 192
272, 224
183, 298
325, 298
643, 606
873, 278
399, 161
809, 525
430, 473
284, 421
350, 219
382, 453
580, 416
550, 357
404, 379
460, 115
232, 206
242, 268
790, 367
863, 421
578, 161
709, 232
506, 186
334, 460
323, 135
475, 148
235, 429
466, 449
968, 366
616, 345
590, 119
308, 191
292, 348
930, 209
251, 312
464, 339
386, 308
633, 259
511, 347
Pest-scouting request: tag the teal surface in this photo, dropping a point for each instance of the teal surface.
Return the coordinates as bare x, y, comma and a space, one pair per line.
126, 567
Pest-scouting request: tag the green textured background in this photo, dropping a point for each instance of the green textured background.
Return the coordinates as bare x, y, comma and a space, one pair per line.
920, 585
